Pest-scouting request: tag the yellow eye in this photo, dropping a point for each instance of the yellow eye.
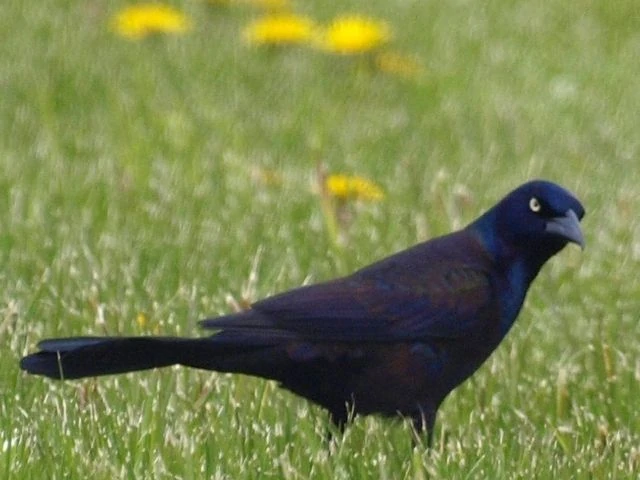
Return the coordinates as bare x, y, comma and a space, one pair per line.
534, 205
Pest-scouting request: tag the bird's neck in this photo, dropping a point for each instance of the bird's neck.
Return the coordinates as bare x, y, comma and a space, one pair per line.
516, 266
516, 276
519, 261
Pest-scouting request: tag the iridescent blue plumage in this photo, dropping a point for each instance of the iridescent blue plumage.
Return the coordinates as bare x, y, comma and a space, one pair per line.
393, 338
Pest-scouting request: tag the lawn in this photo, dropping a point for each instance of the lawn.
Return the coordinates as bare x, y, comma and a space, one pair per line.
149, 183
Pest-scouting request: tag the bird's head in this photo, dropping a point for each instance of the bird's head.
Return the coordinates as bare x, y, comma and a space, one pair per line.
537, 219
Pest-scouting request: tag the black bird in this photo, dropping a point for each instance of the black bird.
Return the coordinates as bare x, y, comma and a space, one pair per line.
393, 338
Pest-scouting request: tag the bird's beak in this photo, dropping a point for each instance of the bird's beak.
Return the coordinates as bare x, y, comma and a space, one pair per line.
567, 227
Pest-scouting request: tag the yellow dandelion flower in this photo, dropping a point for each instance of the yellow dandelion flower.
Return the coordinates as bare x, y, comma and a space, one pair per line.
351, 187
258, 4
139, 21
353, 34
268, 4
141, 320
279, 29
399, 64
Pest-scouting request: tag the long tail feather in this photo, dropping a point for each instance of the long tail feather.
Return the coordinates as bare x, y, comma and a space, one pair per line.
78, 357
87, 357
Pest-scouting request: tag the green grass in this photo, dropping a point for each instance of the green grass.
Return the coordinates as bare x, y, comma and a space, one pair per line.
130, 182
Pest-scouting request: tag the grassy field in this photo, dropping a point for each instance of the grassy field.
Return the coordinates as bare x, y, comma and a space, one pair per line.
145, 183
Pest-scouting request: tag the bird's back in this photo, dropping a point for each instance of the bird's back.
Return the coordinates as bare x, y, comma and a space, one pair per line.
433, 315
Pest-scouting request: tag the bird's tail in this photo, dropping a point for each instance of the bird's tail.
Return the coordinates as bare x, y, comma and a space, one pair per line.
78, 357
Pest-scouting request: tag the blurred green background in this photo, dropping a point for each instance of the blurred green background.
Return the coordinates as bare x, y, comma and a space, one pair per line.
145, 184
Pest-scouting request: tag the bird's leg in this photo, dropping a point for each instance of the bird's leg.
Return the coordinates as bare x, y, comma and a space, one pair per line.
424, 420
339, 417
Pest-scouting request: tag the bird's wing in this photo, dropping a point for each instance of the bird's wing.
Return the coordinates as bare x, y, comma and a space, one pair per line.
388, 303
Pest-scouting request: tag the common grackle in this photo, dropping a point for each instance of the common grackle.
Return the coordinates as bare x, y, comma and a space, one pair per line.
393, 338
